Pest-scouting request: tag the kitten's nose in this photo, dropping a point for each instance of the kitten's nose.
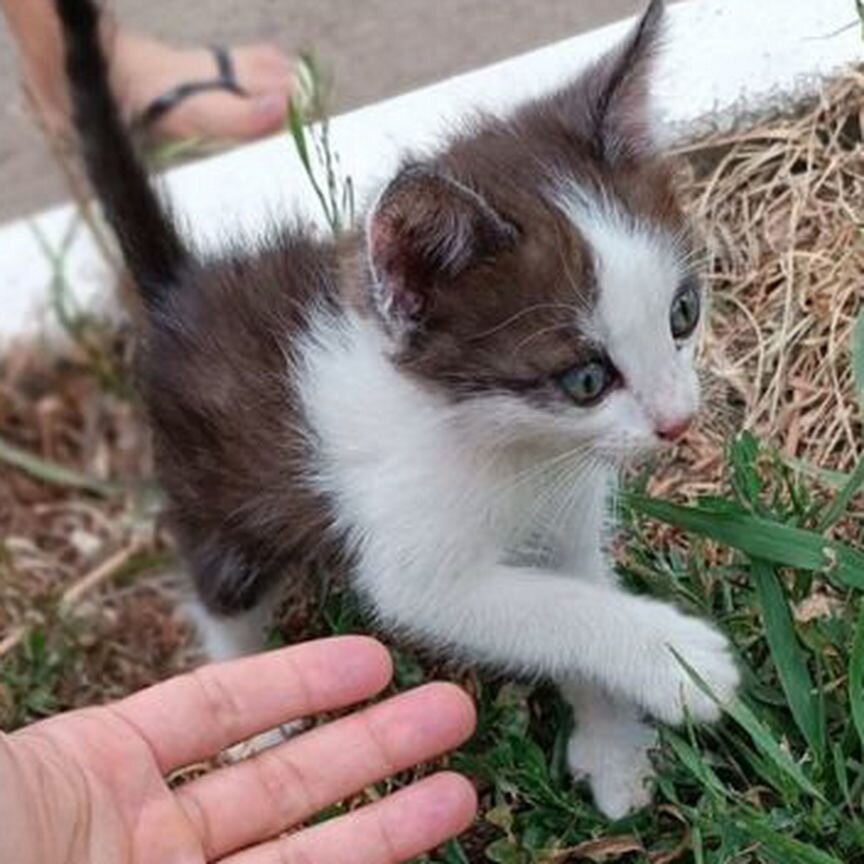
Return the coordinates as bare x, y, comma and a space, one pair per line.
674, 430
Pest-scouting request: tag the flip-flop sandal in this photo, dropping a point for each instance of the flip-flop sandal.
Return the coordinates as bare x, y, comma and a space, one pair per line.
225, 80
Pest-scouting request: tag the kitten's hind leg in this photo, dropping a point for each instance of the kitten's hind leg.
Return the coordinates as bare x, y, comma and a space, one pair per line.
610, 749
226, 637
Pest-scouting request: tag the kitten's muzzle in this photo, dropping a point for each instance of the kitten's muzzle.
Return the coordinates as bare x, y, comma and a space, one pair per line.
673, 430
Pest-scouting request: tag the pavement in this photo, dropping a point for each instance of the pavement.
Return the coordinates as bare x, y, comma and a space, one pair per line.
374, 49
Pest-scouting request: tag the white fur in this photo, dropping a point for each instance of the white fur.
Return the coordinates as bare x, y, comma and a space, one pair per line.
223, 637
639, 268
481, 525
610, 749
442, 510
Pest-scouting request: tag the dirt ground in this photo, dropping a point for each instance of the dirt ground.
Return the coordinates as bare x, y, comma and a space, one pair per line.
376, 49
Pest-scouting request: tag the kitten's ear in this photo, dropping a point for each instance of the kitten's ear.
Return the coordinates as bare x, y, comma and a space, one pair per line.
425, 230
609, 103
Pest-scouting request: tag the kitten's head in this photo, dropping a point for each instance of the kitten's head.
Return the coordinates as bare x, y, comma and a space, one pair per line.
537, 271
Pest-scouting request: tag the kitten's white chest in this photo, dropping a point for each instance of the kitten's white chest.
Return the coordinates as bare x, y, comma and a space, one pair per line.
416, 491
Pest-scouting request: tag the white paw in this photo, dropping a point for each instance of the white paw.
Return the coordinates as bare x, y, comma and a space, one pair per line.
670, 692
614, 760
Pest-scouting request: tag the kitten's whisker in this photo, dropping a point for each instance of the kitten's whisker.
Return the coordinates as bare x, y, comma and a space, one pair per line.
583, 306
569, 475
567, 491
537, 469
542, 332
521, 314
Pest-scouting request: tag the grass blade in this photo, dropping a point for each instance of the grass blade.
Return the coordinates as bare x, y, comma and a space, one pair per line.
844, 498
760, 538
692, 760
834, 479
770, 748
758, 732
790, 850
52, 473
858, 357
788, 656
856, 679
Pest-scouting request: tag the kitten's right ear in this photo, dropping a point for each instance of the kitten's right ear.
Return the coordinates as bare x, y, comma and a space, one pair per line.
608, 105
425, 230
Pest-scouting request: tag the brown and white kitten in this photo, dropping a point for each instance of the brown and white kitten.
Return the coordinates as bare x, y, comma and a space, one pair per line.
439, 404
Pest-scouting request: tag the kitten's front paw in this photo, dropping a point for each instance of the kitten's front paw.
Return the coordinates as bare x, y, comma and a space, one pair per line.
672, 692
616, 765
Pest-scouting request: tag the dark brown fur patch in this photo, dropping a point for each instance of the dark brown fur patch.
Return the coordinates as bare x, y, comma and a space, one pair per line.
511, 322
233, 451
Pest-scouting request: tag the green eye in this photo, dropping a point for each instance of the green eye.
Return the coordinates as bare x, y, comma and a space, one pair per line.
586, 384
684, 315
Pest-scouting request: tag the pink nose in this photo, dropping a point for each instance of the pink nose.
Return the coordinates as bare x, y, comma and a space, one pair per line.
674, 430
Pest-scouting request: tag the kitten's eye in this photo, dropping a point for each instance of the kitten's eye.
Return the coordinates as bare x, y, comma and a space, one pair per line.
587, 384
684, 315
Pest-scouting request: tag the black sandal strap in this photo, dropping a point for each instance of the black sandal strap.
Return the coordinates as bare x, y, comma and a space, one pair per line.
226, 79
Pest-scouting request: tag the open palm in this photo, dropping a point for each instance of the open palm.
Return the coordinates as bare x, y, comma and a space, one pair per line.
89, 786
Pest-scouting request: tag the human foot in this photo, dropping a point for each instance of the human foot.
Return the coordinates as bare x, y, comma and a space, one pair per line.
145, 70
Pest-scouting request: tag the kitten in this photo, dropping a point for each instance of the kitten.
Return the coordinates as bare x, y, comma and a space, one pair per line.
439, 405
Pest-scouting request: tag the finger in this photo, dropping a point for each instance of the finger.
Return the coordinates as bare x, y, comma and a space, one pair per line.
279, 788
396, 829
195, 716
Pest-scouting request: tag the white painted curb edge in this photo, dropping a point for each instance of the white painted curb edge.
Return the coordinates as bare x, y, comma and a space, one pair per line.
723, 57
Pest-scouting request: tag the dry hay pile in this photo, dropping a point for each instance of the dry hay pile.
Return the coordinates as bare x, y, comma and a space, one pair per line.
781, 207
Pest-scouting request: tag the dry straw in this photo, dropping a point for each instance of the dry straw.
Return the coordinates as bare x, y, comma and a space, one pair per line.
782, 208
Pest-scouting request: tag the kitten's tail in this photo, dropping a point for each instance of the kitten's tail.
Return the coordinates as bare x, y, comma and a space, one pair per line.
151, 246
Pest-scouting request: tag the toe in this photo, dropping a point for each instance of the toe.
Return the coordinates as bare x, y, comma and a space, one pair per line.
262, 69
226, 116
617, 800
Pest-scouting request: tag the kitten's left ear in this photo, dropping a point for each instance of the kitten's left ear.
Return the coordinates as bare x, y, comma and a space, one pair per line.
609, 103
426, 229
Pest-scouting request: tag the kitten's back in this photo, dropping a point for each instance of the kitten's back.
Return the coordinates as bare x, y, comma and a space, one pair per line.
215, 363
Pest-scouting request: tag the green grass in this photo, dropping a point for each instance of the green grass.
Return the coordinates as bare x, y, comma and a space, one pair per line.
780, 780
309, 127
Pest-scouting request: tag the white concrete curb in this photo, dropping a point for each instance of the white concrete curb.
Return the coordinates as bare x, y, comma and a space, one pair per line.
723, 57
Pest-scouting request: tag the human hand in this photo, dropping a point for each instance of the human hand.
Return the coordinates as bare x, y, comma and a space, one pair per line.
88, 786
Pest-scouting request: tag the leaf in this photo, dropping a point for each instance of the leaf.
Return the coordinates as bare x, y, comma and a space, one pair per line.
601, 851
788, 656
835, 479
743, 455
761, 538
454, 853
298, 133
501, 817
792, 851
504, 851
856, 679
